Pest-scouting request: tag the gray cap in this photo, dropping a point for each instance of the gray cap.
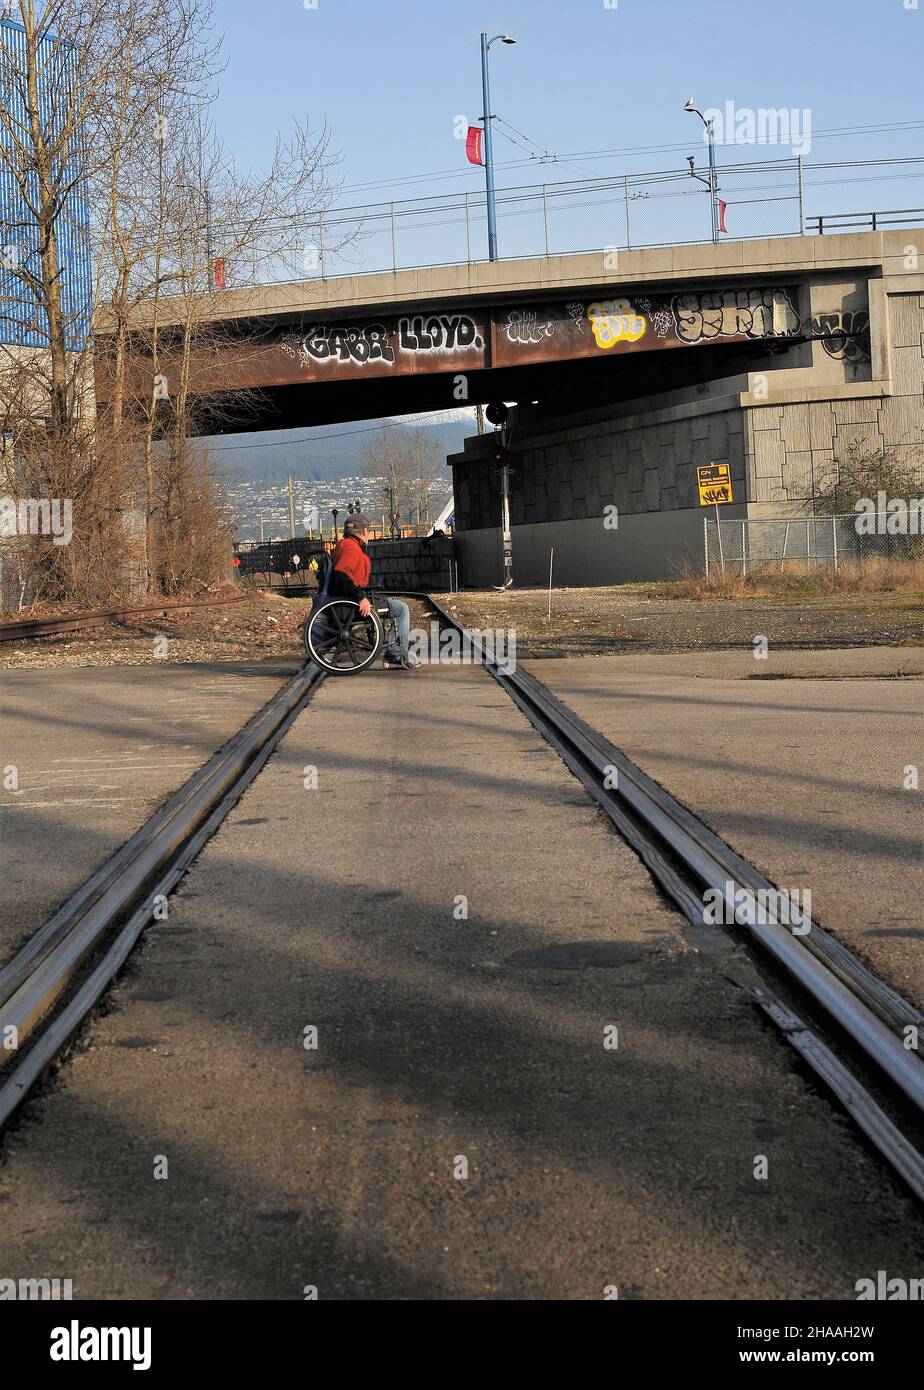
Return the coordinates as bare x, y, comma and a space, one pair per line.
356, 522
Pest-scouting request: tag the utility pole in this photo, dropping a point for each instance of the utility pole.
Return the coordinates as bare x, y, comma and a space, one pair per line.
712, 181
487, 118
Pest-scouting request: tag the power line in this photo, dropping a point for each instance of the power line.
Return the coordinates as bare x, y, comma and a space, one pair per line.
831, 132
334, 434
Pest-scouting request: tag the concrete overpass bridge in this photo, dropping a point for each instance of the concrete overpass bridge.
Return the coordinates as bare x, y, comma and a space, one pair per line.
628, 370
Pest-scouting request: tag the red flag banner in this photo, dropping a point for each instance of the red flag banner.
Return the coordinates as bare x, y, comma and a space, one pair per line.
722, 207
473, 144
219, 274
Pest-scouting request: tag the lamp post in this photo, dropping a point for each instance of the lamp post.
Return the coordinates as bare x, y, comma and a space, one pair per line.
487, 118
713, 187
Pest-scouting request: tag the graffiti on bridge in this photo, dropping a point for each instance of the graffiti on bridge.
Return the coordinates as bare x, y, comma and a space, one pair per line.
437, 333
757, 313
362, 344
844, 335
614, 321
523, 326
546, 331
343, 344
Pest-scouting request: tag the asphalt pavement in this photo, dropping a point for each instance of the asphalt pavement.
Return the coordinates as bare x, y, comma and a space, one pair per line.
87, 755
800, 762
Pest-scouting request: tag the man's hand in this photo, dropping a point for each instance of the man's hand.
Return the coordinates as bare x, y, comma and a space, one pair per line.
365, 607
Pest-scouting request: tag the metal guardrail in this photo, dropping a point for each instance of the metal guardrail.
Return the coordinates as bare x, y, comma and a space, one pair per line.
864, 221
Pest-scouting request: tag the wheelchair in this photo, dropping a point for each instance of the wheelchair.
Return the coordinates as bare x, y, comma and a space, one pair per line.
339, 639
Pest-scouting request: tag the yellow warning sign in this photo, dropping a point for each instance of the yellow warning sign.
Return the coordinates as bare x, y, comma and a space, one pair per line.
714, 482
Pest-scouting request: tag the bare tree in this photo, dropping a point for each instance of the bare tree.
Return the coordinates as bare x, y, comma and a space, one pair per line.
411, 470
105, 140
862, 473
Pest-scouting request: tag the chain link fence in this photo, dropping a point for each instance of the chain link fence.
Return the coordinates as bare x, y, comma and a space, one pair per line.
609, 213
814, 542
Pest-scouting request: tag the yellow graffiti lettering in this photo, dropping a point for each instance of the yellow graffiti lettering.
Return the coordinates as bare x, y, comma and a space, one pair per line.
614, 321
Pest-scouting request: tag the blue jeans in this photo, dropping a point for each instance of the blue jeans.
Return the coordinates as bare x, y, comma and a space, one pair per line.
402, 616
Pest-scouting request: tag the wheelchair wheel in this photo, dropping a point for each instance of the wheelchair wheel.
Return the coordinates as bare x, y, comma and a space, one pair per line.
340, 640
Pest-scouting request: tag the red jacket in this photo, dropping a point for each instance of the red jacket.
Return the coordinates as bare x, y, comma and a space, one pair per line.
351, 569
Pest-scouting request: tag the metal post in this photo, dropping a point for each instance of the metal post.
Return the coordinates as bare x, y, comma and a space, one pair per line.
488, 151
785, 540
394, 254
506, 537
834, 539
545, 215
744, 547
628, 230
710, 127
321, 242
468, 232
718, 531
291, 511
706, 542
801, 198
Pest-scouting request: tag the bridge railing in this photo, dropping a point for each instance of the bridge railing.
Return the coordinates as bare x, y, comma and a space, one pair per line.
608, 214
864, 221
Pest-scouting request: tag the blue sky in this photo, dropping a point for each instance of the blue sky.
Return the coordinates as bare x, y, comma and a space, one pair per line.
391, 76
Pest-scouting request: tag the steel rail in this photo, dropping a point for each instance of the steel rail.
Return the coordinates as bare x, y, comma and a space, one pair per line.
148, 865
686, 858
72, 622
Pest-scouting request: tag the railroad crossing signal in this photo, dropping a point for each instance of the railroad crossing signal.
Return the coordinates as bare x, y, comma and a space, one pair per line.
714, 483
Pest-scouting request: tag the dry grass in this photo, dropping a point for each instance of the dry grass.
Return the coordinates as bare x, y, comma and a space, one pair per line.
876, 576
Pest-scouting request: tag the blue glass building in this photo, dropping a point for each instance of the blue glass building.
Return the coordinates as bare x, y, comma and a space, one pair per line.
22, 319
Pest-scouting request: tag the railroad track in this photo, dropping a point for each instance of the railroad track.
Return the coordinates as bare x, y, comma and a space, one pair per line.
55, 979
822, 999
848, 1010
73, 622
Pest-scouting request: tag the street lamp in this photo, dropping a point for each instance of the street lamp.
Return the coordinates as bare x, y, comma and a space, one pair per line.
713, 188
487, 118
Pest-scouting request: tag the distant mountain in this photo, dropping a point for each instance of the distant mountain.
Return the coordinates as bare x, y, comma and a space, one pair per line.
328, 452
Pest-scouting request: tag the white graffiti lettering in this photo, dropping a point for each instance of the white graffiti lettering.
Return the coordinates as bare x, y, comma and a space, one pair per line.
523, 327
349, 344
437, 333
767, 313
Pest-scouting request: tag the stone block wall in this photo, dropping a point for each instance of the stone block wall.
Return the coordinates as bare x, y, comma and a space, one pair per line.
421, 562
793, 446
637, 463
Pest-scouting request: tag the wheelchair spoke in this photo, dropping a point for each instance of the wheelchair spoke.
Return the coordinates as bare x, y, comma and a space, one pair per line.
342, 639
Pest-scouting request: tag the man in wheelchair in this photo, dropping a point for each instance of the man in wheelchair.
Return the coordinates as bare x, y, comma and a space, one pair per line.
350, 572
